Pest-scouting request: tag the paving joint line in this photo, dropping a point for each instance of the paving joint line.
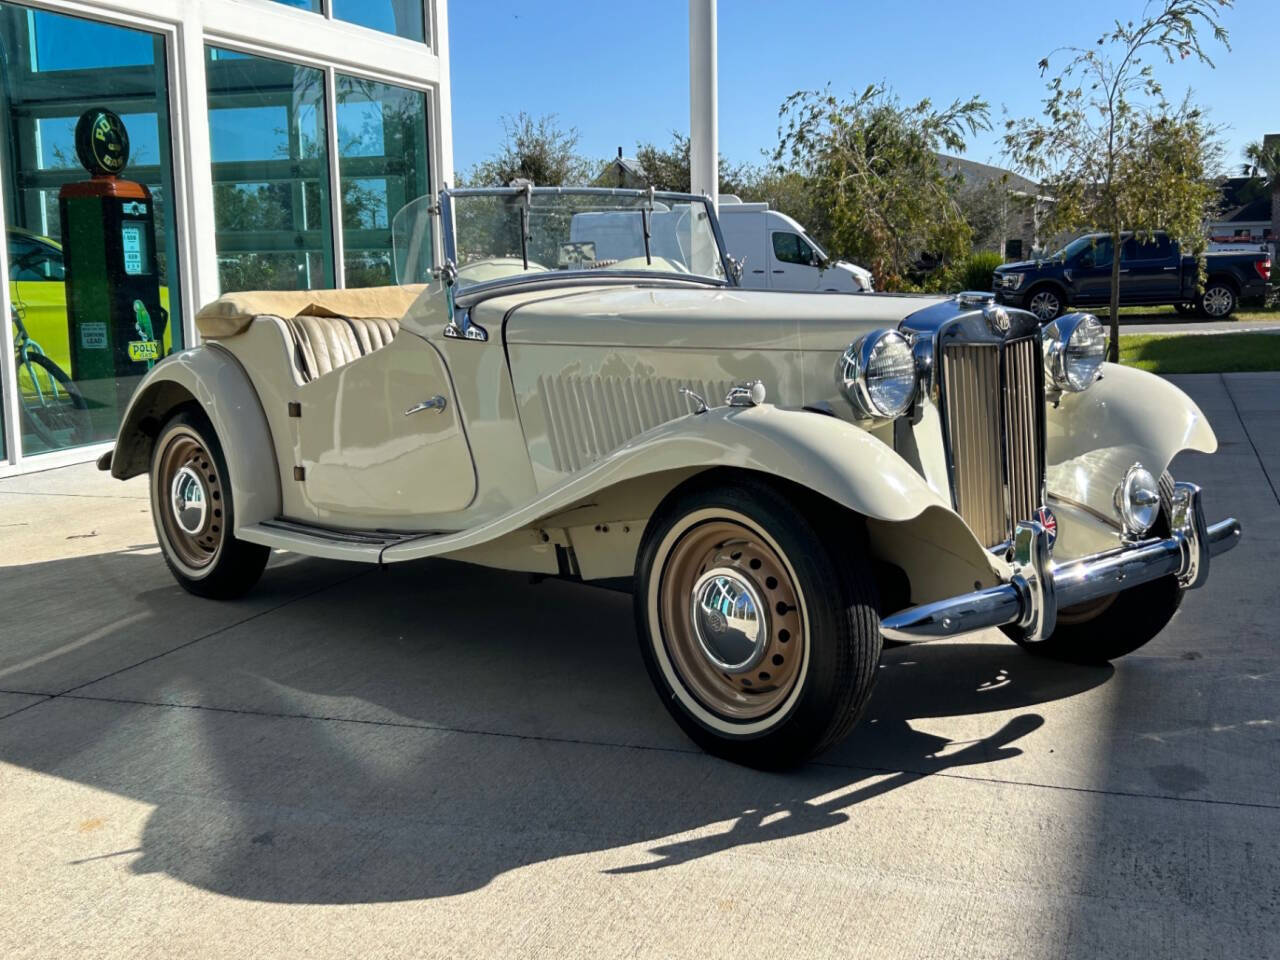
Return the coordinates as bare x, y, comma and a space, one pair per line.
577, 741
70, 691
1226, 385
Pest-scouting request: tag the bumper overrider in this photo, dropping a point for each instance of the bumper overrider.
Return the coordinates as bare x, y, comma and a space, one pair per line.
1030, 600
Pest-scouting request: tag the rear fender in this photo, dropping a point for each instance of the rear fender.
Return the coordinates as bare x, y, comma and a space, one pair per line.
212, 379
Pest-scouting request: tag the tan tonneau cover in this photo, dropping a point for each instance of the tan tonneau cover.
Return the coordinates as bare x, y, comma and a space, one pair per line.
233, 312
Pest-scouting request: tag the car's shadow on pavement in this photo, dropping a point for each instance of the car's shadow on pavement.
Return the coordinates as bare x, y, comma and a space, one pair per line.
419, 732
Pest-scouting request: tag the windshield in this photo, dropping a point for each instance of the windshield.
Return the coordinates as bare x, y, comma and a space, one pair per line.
1074, 247
504, 233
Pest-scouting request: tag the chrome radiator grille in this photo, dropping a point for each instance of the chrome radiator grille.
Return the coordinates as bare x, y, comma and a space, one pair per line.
993, 416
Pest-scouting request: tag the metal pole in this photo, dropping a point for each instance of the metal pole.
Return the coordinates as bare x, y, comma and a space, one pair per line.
704, 147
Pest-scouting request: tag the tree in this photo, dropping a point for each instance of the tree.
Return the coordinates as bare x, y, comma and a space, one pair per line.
668, 169
1109, 148
1263, 166
534, 149
872, 166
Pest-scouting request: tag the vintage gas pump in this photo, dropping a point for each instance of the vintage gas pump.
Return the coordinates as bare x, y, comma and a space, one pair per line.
114, 316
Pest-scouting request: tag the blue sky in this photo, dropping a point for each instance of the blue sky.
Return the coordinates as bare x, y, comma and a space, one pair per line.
619, 72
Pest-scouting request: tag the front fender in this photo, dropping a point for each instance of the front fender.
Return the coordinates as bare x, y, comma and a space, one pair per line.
840, 461
213, 379
1129, 416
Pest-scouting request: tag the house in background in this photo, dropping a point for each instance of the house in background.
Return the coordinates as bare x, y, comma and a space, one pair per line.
1250, 214
1005, 209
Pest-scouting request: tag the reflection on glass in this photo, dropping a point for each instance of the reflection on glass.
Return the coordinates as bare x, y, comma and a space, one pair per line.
382, 144
312, 5
89, 314
270, 173
404, 18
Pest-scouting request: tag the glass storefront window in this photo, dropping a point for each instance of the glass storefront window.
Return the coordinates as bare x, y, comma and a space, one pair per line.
312, 5
382, 162
404, 18
91, 259
270, 173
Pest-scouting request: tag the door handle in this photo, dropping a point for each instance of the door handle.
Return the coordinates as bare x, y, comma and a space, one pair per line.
1169, 269
779, 271
1124, 269
436, 403
761, 270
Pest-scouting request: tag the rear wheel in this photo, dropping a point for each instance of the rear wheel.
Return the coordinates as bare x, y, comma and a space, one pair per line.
192, 505
1218, 300
757, 621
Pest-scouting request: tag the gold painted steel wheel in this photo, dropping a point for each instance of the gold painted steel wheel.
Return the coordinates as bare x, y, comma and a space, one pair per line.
187, 492
731, 618
193, 506
756, 610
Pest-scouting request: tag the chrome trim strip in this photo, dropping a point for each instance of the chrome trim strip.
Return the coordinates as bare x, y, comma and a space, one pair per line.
1038, 588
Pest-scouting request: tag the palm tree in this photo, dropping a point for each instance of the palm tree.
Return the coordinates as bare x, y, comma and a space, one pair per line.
1263, 165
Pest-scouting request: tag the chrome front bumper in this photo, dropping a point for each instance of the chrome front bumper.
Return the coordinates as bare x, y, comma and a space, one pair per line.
1039, 587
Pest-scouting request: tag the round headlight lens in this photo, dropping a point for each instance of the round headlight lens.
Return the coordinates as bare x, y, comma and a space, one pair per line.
878, 374
1075, 346
1138, 500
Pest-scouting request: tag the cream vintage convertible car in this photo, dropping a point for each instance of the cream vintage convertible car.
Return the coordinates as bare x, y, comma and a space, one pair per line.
571, 382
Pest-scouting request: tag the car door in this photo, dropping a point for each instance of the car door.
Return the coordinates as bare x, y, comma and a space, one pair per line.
381, 440
793, 262
1091, 274
1149, 270
744, 238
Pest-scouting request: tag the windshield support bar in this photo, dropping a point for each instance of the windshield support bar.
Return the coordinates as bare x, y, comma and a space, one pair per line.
525, 236
645, 213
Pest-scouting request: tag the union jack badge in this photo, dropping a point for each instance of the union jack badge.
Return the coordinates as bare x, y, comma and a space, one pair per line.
1044, 517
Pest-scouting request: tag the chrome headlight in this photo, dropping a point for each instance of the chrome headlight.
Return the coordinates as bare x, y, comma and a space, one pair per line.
1074, 348
878, 375
1137, 500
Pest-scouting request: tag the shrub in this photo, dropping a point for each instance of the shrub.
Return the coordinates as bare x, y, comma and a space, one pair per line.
977, 270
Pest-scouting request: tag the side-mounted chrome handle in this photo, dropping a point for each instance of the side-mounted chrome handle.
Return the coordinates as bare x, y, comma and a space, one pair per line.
436, 403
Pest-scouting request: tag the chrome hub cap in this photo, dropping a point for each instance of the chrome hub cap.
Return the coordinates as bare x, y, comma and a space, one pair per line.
187, 498
190, 502
729, 620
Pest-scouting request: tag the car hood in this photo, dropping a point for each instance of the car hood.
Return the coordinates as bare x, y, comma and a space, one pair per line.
704, 318
1019, 265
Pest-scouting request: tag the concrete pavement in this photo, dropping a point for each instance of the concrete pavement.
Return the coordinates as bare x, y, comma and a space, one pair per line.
441, 760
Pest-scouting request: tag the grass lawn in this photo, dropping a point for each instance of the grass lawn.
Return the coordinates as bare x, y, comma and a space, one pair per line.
1204, 353
1253, 313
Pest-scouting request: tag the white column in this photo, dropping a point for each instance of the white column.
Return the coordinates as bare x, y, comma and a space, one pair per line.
704, 147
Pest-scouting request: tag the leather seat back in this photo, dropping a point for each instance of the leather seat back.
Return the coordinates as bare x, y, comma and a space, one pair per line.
327, 343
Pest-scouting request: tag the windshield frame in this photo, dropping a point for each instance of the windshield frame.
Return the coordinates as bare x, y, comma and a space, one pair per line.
449, 240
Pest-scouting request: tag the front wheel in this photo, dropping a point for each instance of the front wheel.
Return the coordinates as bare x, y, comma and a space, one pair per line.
1046, 303
192, 505
757, 620
52, 406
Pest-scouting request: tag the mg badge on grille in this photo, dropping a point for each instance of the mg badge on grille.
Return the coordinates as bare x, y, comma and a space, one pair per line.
1046, 519
997, 318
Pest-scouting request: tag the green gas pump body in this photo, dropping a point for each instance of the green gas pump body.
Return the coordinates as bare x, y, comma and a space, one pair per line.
114, 315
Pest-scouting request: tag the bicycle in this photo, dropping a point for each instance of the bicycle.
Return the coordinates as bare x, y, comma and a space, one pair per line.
51, 405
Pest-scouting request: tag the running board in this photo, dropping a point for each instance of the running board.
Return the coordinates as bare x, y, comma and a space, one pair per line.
364, 546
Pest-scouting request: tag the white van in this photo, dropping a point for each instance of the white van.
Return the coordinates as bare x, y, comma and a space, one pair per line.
779, 255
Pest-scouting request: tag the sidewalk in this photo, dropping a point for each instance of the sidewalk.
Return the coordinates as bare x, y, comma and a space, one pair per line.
442, 760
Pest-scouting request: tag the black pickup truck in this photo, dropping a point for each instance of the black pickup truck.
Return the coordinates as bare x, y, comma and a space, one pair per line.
1153, 271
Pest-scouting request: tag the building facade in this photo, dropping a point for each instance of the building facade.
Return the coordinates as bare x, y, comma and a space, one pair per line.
270, 143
